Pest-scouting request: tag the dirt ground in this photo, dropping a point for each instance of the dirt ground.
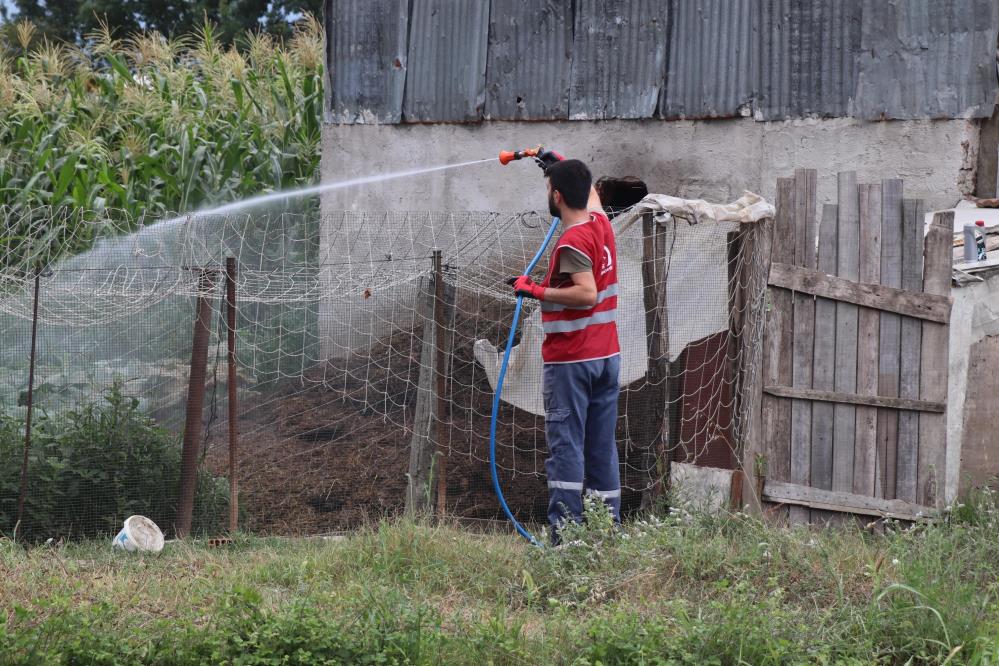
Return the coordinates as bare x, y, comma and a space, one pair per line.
331, 452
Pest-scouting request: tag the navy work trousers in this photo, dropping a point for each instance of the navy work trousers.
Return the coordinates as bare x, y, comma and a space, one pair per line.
580, 420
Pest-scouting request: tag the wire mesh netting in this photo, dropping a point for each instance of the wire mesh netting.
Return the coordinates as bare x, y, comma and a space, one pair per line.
340, 375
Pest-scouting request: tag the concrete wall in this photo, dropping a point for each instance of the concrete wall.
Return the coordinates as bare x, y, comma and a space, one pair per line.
714, 160
971, 399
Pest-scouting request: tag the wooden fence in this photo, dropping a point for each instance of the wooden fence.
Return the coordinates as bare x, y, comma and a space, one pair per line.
853, 382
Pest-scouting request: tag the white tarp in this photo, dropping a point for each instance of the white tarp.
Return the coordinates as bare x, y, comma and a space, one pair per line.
696, 290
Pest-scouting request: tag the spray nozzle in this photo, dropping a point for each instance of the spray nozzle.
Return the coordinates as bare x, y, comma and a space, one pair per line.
507, 156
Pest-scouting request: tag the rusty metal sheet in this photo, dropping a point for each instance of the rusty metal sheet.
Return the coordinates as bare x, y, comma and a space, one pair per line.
712, 49
446, 76
927, 59
366, 60
807, 58
619, 58
530, 59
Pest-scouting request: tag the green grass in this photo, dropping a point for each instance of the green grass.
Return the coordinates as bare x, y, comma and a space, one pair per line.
687, 589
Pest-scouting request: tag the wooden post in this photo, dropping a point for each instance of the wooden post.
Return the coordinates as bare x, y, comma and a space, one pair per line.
195, 405
756, 243
935, 354
230, 313
653, 431
435, 308
23, 493
440, 366
777, 342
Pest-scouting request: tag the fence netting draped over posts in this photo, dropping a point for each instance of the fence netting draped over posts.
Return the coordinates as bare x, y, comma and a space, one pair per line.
341, 384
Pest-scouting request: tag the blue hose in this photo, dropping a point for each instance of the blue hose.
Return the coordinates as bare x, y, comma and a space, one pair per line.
499, 390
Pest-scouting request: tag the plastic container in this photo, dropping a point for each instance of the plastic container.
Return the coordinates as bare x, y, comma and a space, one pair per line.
139, 534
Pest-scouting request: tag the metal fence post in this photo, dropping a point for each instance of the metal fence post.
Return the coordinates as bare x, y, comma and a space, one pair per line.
22, 495
230, 313
195, 405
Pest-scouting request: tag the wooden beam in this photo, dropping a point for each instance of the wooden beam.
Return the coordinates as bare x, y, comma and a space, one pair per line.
816, 498
929, 307
935, 407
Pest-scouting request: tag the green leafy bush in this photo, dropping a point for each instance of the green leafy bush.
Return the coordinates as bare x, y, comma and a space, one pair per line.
92, 467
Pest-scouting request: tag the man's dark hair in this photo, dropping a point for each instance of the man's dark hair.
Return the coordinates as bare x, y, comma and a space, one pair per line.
573, 180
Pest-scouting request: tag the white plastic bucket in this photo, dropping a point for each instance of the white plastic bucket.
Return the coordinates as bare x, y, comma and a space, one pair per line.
139, 533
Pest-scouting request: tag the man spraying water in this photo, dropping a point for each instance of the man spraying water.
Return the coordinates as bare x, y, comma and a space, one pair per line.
580, 351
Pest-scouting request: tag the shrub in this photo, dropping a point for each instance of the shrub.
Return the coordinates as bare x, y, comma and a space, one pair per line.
92, 467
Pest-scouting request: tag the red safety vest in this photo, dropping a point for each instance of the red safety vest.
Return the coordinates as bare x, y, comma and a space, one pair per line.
574, 334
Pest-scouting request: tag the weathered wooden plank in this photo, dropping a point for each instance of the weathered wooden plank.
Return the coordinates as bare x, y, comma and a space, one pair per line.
937, 269
804, 335
777, 340
889, 341
845, 502
805, 227
910, 336
861, 399
865, 449
848, 267
823, 363
874, 296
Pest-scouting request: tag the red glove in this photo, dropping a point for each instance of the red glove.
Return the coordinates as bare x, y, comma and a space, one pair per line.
526, 287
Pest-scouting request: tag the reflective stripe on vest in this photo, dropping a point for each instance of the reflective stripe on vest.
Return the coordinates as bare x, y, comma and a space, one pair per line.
570, 325
601, 297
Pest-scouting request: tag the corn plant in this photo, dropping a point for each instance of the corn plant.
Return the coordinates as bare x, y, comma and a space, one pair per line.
150, 126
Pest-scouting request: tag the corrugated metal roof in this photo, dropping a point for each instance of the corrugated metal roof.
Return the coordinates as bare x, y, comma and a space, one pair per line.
530, 59
712, 49
927, 58
619, 58
446, 79
366, 58
806, 56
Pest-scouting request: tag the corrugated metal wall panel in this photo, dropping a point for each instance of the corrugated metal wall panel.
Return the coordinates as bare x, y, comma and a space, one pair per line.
366, 60
806, 57
636, 58
712, 51
619, 58
924, 58
530, 59
446, 78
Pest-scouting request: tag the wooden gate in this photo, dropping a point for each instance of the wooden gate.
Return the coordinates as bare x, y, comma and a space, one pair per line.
853, 381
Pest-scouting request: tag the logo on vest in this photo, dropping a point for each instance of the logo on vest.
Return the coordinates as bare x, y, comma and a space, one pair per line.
608, 261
